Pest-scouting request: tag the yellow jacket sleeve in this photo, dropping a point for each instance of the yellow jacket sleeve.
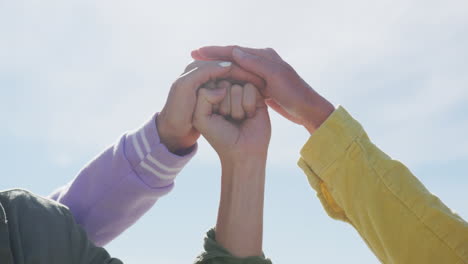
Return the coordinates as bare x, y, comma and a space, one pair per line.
398, 218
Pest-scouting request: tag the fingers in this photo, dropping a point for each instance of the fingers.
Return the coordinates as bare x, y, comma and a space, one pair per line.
221, 85
260, 65
198, 73
232, 72
210, 85
249, 99
239, 74
225, 106
225, 53
262, 62
205, 101
213, 53
239, 102
237, 110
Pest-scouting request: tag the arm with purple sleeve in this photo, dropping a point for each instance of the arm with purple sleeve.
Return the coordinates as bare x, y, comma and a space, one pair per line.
122, 183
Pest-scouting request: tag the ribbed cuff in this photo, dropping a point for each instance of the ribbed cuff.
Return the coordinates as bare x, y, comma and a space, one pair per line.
331, 140
215, 253
323, 148
151, 160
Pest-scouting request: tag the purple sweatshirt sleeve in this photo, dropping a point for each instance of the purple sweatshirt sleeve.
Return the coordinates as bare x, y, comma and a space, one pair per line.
122, 183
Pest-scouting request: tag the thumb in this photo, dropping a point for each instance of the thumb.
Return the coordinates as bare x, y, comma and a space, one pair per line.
254, 63
206, 99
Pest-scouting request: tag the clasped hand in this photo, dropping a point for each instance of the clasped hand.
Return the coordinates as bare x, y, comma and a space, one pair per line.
220, 100
234, 120
233, 117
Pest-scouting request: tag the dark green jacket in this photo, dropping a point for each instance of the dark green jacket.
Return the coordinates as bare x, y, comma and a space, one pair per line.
216, 254
35, 230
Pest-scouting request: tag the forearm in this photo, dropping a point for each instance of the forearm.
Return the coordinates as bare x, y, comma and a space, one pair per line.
121, 184
239, 228
400, 220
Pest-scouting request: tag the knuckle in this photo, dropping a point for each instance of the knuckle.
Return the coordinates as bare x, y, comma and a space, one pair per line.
236, 90
238, 115
202, 92
210, 85
236, 47
178, 83
249, 86
249, 106
279, 71
271, 51
223, 111
258, 60
223, 84
196, 118
191, 66
196, 121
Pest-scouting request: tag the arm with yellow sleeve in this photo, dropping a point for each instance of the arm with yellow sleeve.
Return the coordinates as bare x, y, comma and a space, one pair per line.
398, 218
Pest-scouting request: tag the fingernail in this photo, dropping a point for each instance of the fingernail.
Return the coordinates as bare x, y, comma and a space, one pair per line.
225, 63
194, 53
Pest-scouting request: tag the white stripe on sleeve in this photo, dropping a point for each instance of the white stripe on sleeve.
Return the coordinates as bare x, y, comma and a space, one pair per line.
145, 140
137, 147
162, 166
158, 174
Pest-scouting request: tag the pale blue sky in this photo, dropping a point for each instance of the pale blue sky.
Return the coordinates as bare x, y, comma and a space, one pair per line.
75, 75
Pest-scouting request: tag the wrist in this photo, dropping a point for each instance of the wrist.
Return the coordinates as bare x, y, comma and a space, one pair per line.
240, 158
169, 137
242, 171
238, 163
315, 113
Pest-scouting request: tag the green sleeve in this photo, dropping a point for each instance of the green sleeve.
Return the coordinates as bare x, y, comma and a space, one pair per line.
42, 231
84, 251
215, 254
